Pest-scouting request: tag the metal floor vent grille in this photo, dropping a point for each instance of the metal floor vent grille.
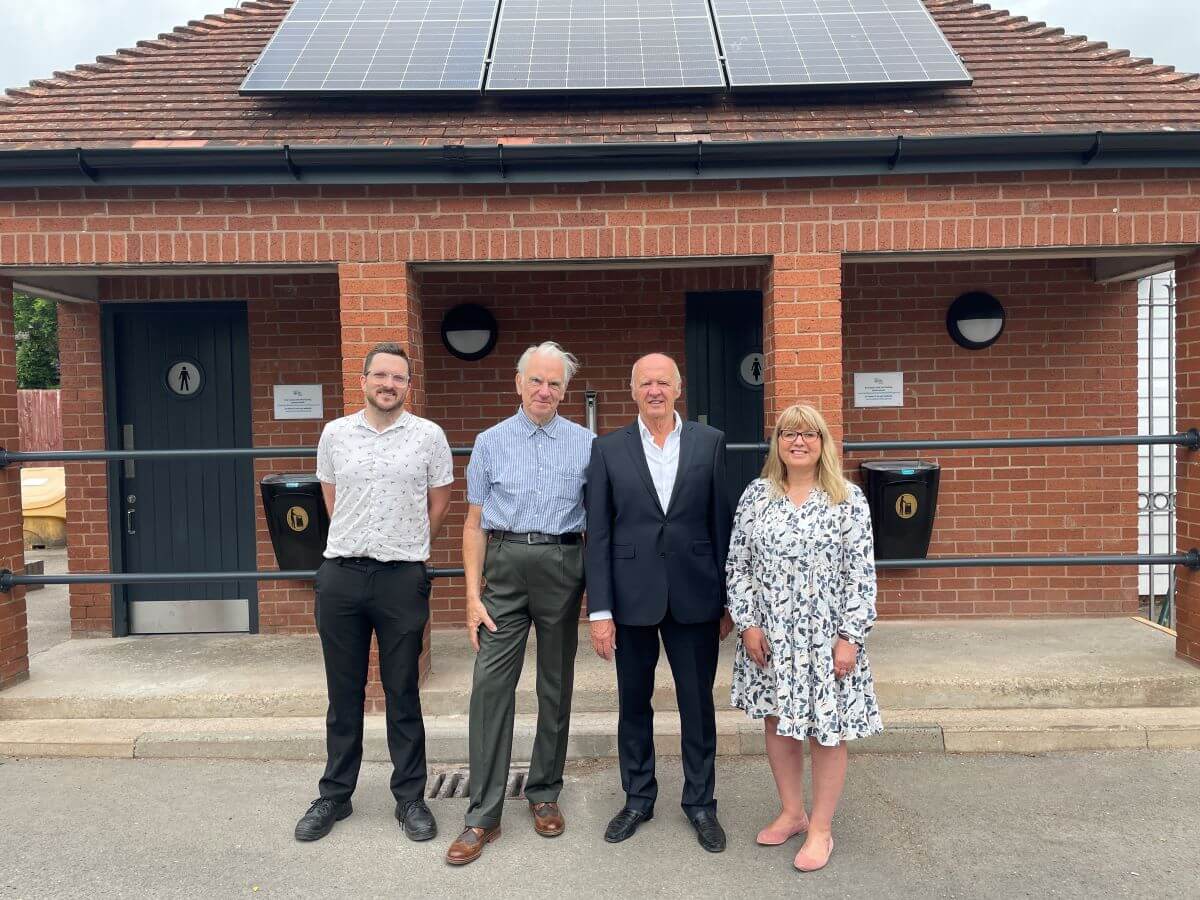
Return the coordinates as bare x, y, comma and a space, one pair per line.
456, 784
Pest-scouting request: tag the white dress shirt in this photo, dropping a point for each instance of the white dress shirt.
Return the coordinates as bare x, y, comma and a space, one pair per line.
663, 463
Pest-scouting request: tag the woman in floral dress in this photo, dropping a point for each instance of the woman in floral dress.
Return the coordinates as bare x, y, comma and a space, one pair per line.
801, 583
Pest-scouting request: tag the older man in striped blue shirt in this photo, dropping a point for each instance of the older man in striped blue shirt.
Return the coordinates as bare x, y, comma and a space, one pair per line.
523, 556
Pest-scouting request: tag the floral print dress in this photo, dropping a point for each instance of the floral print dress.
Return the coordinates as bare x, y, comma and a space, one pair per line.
804, 574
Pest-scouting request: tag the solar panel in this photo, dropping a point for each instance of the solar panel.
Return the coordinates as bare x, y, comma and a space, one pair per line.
604, 44
834, 42
376, 45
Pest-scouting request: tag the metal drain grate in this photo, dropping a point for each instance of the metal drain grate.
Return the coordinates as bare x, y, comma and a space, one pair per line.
456, 784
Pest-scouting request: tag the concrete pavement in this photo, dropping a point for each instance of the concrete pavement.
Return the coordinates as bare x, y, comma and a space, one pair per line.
49, 609
593, 735
967, 686
984, 664
916, 825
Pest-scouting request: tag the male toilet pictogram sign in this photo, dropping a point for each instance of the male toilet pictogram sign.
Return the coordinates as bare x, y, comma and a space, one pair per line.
185, 378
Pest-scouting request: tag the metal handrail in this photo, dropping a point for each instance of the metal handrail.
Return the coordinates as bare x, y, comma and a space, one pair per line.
9, 579
1189, 439
1191, 559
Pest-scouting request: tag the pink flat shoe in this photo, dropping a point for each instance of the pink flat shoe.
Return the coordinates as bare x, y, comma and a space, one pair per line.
769, 838
808, 864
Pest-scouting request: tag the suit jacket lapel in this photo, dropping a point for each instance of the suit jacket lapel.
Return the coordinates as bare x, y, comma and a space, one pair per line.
634, 436
687, 448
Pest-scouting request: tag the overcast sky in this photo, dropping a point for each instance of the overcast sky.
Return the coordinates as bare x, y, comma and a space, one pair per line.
45, 35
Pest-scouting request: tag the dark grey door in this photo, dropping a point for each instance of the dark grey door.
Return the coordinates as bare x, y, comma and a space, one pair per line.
178, 378
725, 374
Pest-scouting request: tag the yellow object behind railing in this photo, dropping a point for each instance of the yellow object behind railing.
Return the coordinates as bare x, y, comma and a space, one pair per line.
44, 505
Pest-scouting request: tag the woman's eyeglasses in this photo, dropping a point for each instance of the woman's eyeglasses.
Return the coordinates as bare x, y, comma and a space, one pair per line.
789, 436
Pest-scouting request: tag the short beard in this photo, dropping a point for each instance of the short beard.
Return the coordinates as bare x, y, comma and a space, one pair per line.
399, 405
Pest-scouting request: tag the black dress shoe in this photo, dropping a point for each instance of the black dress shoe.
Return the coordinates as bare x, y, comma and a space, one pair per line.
318, 821
625, 823
709, 832
416, 820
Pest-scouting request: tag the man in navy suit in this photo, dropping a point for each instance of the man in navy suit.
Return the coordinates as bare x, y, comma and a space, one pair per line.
658, 524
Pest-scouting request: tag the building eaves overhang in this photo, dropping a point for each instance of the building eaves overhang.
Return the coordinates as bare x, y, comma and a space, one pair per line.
543, 163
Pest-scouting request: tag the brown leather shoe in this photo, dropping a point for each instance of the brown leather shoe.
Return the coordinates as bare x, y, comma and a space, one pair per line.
468, 846
548, 819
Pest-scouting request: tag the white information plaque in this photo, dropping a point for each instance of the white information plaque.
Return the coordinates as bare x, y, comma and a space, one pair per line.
878, 388
298, 401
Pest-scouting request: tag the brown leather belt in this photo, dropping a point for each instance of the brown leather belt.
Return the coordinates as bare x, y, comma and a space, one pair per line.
536, 537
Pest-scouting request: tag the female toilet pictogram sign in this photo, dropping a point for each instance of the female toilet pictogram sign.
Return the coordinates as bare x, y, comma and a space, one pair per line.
750, 370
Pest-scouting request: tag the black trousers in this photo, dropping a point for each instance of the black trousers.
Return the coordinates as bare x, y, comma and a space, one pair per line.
692, 651
354, 598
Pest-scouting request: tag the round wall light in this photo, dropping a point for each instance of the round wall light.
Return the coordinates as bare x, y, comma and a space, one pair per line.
469, 331
975, 320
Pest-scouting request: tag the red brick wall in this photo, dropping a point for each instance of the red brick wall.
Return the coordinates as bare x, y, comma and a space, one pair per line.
82, 404
802, 225
802, 335
606, 318
1066, 364
293, 340
293, 335
394, 224
14, 642
1187, 386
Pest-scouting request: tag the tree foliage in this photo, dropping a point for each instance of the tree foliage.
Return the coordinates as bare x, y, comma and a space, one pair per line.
36, 323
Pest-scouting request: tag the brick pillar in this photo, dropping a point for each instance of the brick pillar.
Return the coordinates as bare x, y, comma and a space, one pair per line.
379, 302
14, 635
1187, 415
802, 335
82, 404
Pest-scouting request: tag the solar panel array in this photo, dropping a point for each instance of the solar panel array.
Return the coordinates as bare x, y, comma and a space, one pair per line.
379, 46
604, 44
348, 46
829, 42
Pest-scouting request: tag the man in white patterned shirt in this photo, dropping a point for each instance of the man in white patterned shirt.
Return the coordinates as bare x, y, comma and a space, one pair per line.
523, 556
385, 476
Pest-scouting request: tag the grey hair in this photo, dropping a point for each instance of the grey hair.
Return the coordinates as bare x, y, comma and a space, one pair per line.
553, 350
674, 368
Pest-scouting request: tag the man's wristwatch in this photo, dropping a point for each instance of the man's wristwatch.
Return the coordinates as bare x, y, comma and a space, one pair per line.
850, 640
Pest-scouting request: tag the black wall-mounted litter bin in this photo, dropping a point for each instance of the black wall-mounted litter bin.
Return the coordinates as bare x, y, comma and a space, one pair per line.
902, 494
297, 520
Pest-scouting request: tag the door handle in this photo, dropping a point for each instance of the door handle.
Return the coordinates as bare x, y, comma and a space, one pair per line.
127, 444
129, 527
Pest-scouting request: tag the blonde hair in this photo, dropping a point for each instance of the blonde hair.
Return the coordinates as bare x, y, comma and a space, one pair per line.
802, 417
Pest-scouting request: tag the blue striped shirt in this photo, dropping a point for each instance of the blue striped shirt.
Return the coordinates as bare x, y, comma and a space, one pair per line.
529, 477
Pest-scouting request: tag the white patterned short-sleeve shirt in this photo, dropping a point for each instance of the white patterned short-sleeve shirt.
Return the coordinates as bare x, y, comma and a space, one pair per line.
382, 481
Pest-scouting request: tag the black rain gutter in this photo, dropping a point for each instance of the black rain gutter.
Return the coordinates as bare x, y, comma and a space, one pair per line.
531, 163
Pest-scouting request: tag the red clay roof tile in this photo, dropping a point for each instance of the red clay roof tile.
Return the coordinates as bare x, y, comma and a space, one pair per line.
181, 88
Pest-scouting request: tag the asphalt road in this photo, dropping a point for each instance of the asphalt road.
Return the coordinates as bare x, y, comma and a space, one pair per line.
1069, 825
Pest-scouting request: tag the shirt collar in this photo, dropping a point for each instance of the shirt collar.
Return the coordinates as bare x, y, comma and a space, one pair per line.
530, 427
647, 436
402, 422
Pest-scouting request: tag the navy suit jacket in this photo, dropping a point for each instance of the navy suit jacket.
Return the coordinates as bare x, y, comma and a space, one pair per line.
642, 560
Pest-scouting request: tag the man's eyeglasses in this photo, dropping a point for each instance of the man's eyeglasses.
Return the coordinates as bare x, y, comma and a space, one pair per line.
789, 437
385, 377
